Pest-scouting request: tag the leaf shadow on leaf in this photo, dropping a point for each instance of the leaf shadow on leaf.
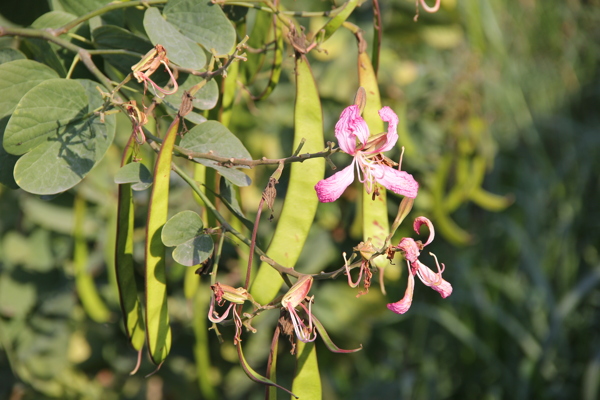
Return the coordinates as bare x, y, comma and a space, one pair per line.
79, 132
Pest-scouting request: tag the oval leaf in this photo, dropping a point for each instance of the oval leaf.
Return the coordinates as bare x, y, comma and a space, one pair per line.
181, 50
55, 120
213, 136
203, 22
182, 227
194, 251
136, 173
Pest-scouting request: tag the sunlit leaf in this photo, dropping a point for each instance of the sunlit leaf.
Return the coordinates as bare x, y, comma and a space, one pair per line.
214, 137
55, 123
203, 22
180, 49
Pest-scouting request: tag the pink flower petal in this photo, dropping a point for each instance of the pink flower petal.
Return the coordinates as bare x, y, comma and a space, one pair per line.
331, 189
391, 118
402, 306
419, 221
399, 182
434, 280
410, 248
349, 127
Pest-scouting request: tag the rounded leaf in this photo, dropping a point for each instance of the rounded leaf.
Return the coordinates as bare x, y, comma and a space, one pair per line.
135, 173
202, 22
55, 124
180, 49
182, 227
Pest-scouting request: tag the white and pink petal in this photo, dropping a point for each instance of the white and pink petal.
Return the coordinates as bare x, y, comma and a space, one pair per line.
399, 182
331, 189
350, 127
389, 116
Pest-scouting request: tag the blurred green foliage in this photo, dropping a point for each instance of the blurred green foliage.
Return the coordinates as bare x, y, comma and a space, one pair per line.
503, 92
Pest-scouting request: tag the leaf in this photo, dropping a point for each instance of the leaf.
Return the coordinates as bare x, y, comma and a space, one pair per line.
213, 136
301, 200
181, 50
205, 99
16, 78
53, 19
8, 54
81, 7
307, 381
55, 125
47, 52
136, 173
113, 37
203, 22
185, 230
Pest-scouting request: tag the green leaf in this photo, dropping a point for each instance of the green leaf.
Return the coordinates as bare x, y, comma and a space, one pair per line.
17, 78
181, 50
213, 136
203, 22
113, 37
136, 173
307, 381
205, 99
182, 227
55, 123
81, 7
53, 19
186, 231
8, 54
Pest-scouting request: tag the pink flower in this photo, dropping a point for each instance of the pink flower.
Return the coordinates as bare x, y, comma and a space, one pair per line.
411, 251
372, 167
295, 297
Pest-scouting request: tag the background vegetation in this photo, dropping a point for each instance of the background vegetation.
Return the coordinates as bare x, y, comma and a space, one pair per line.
509, 85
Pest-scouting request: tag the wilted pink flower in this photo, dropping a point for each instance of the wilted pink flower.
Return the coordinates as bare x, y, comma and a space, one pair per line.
411, 251
221, 294
371, 166
295, 297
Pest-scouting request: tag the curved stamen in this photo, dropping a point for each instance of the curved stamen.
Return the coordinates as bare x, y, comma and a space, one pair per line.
213, 316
